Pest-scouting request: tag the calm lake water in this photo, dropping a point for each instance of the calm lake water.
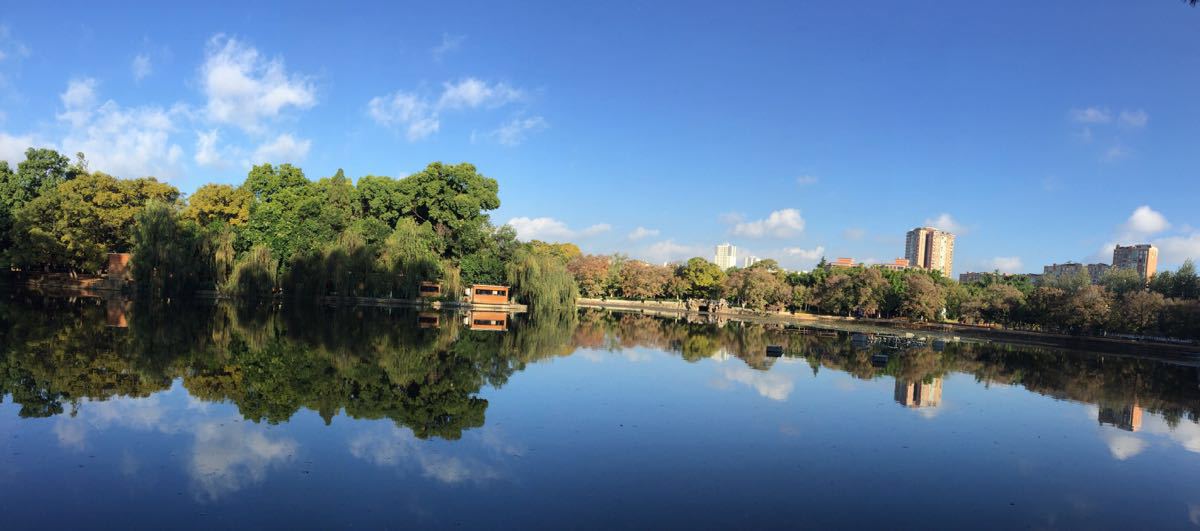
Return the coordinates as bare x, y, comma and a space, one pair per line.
115, 415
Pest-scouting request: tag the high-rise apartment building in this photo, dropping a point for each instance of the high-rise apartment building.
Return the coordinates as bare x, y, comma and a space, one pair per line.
1141, 258
930, 248
726, 256
749, 261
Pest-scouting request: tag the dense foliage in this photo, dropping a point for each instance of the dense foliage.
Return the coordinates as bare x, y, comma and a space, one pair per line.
278, 233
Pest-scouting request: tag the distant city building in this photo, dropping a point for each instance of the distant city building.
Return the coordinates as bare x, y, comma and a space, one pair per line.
726, 256
896, 265
1094, 271
1141, 258
919, 394
967, 278
749, 261
930, 248
1127, 417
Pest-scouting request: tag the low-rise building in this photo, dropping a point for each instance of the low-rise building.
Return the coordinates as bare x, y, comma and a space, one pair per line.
1094, 271
842, 262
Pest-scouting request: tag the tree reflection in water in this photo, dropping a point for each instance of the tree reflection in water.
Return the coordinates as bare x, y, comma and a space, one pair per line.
378, 363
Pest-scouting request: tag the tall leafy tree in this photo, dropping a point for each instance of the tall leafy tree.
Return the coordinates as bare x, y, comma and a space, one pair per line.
219, 203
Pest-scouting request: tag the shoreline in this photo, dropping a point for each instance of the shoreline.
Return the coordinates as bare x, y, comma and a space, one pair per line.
1099, 344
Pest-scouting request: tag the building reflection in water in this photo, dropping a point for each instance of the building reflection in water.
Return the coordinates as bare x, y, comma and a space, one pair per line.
1127, 417
919, 394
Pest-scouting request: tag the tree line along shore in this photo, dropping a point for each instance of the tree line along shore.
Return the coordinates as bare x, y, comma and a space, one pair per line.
281, 234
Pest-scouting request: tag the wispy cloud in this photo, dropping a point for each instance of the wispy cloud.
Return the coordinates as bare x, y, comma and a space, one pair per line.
514, 132
1137, 118
141, 67
450, 43
642, 232
779, 224
807, 180
550, 229
1091, 115
420, 117
1006, 264
947, 223
809, 255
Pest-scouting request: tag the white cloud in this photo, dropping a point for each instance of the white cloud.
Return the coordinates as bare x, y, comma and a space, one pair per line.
805, 180
1091, 115
779, 224
1137, 118
1145, 221
228, 456
947, 223
806, 254
207, 153
550, 229
12, 148
141, 67
1116, 152
78, 101
244, 89
1176, 249
1122, 446
642, 232
420, 117
449, 44
284, 148
406, 110
1007, 264
127, 142
514, 132
399, 448
854, 234
669, 251
773, 385
471, 93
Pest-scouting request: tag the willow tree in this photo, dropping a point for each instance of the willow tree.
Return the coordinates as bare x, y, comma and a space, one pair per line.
254, 275
168, 253
408, 254
542, 282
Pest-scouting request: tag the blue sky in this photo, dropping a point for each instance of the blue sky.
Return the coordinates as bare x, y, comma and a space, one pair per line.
1039, 131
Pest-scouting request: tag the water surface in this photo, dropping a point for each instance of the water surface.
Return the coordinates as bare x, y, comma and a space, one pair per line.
120, 415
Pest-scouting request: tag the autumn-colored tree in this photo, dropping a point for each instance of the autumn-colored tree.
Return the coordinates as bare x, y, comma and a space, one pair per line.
640, 280
591, 273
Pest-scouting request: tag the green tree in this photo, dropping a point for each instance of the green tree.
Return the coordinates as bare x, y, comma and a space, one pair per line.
1120, 281
454, 200
704, 278
923, 299
74, 224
